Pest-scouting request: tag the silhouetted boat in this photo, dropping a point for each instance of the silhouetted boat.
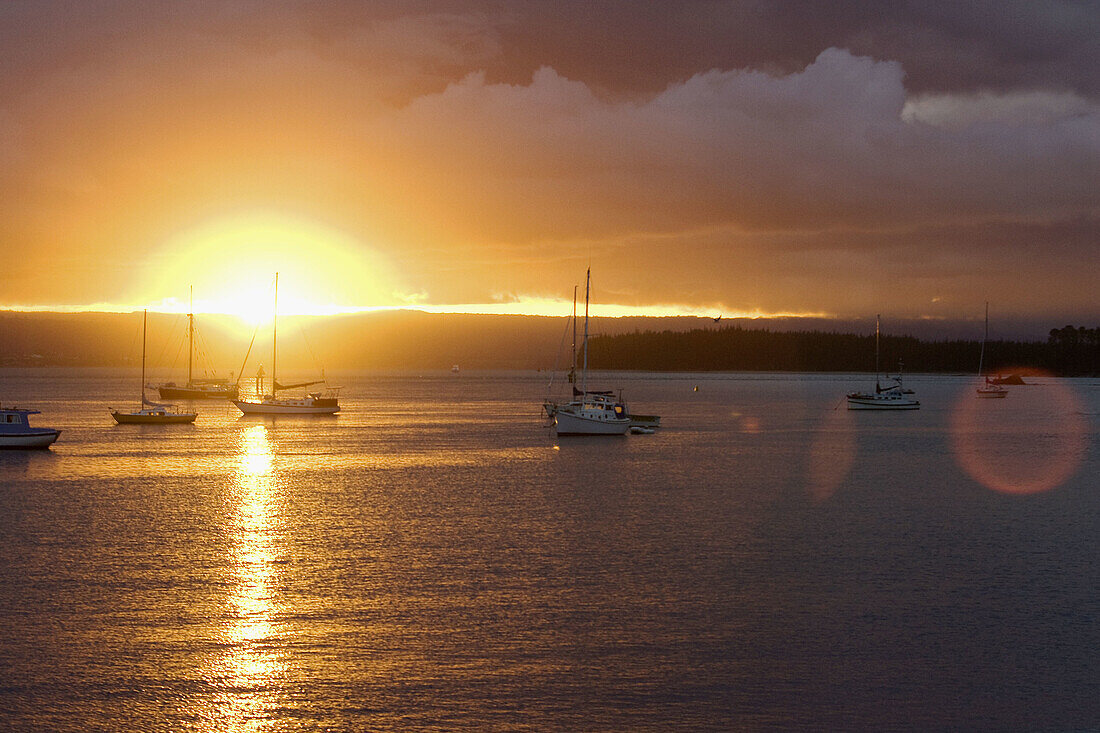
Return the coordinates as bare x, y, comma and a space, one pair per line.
271, 404
989, 389
197, 389
17, 433
892, 396
151, 413
647, 422
590, 413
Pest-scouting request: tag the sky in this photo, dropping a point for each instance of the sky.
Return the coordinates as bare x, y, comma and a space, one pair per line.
739, 158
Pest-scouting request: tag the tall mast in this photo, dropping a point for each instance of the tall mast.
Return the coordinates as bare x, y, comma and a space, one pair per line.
877, 319
274, 319
573, 373
144, 322
981, 357
190, 334
584, 377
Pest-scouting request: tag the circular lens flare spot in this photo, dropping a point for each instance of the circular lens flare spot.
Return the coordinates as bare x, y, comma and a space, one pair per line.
1031, 441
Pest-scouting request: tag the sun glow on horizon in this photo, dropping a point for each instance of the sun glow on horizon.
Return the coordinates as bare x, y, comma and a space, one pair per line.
230, 264
227, 266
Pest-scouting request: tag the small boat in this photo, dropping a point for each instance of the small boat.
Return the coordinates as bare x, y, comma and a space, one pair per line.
313, 403
989, 389
197, 389
590, 413
893, 396
151, 413
454, 369
644, 421
641, 430
17, 433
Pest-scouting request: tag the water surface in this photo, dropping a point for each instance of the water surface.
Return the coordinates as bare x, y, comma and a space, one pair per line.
433, 558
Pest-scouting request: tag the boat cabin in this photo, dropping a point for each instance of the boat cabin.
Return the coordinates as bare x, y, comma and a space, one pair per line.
13, 417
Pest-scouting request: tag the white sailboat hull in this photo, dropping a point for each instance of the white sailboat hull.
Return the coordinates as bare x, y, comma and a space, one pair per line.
875, 402
569, 423
307, 406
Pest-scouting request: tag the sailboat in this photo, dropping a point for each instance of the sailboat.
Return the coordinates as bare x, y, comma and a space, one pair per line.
989, 389
271, 404
590, 413
151, 413
197, 389
638, 423
885, 397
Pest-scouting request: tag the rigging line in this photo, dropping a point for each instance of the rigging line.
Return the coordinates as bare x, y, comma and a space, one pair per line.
204, 355
164, 344
177, 359
309, 347
561, 346
248, 353
130, 351
240, 372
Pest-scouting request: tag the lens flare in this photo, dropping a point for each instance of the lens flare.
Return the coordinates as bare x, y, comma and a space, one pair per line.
1031, 441
832, 454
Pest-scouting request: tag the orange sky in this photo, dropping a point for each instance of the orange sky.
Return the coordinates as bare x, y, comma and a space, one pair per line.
464, 157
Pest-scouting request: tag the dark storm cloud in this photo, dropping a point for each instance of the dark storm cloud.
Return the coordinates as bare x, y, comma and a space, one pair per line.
943, 45
624, 46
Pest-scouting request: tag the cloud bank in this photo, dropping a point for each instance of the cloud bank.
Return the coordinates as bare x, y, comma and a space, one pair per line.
772, 157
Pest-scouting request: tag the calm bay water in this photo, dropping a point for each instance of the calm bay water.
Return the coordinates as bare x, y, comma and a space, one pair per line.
433, 558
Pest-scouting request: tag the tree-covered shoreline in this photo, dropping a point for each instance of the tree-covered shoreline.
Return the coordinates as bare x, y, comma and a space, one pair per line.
1068, 351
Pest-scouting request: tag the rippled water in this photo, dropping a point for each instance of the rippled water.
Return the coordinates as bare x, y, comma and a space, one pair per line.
432, 558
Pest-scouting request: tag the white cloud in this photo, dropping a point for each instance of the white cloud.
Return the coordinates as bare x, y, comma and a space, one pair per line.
1031, 108
836, 144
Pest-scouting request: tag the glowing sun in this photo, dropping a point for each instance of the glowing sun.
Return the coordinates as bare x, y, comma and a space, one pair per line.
231, 263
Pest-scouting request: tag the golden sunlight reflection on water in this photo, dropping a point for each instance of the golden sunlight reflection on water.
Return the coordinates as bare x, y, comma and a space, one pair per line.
248, 669
1033, 440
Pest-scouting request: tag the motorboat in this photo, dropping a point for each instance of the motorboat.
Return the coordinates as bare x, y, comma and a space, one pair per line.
648, 422
17, 433
891, 396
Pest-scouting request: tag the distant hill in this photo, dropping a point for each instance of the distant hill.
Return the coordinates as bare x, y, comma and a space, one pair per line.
413, 339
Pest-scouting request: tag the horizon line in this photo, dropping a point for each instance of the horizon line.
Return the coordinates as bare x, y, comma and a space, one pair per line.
542, 308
